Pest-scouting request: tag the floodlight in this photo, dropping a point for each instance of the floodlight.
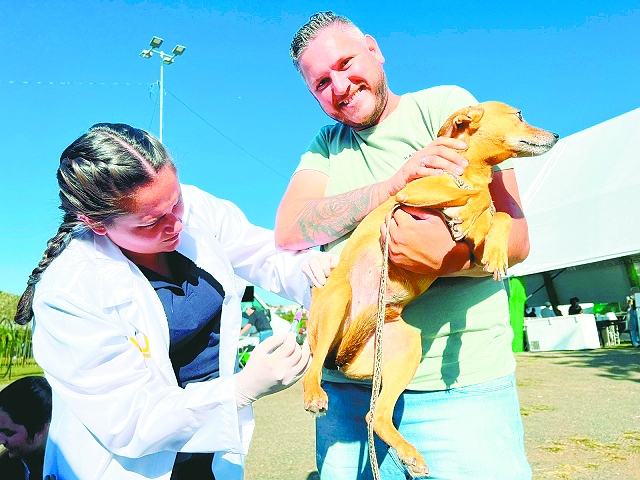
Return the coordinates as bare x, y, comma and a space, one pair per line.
178, 50
156, 42
166, 59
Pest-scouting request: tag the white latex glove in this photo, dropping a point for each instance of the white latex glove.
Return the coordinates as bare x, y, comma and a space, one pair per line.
275, 364
318, 267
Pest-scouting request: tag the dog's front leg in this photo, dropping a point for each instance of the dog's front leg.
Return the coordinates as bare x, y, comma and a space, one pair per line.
479, 203
495, 257
434, 192
329, 308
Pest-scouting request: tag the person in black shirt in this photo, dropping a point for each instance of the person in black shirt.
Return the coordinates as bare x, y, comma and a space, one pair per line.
575, 308
259, 320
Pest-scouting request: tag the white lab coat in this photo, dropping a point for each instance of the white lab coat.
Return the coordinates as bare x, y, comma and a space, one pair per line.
102, 339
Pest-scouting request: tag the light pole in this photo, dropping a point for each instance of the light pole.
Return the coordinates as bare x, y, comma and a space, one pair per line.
167, 59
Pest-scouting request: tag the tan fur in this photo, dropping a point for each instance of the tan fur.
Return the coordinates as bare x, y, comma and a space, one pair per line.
343, 313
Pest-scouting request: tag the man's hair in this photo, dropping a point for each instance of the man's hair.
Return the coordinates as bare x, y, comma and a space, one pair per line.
310, 30
27, 401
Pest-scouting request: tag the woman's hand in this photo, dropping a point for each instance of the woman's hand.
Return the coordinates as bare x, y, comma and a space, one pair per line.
275, 364
318, 267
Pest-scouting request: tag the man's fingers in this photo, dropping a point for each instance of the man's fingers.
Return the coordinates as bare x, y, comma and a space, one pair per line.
450, 142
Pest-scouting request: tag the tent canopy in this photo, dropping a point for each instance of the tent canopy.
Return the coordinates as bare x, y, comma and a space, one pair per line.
581, 198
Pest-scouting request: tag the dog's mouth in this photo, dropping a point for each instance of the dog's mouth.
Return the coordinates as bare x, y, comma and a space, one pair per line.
531, 149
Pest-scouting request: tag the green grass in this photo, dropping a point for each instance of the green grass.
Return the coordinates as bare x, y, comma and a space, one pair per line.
21, 371
8, 305
526, 411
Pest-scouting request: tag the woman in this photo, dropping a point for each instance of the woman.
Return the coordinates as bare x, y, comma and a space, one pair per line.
139, 375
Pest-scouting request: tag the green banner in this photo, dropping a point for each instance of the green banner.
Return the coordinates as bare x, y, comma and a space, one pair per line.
517, 298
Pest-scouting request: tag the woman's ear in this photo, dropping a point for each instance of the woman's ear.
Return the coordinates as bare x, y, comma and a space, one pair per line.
97, 227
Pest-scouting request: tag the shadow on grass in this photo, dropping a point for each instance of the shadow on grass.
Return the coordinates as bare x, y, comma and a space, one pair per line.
313, 476
618, 363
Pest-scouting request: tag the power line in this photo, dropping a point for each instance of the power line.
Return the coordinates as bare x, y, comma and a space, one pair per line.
226, 137
34, 82
155, 104
223, 135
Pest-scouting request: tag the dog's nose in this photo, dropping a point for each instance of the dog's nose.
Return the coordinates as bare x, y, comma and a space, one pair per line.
555, 135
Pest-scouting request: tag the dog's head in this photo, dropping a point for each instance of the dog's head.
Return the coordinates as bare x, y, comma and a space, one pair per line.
494, 131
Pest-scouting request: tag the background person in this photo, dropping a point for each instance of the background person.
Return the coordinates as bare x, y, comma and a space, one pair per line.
25, 414
461, 411
547, 311
632, 320
259, 320
575, 308
136, 307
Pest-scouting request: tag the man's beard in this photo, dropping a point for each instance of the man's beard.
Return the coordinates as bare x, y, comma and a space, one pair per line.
381, 94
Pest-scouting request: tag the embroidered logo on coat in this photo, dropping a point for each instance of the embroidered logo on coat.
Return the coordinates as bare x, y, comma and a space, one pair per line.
144, 349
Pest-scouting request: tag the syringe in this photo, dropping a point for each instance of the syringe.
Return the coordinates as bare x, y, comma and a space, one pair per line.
296, 321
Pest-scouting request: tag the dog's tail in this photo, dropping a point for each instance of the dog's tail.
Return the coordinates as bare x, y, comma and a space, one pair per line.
361, 329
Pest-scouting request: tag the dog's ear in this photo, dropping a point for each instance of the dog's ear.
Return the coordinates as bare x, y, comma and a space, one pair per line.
465, 119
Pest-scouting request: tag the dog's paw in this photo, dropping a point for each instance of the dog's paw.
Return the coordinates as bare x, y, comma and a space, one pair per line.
412, 460
316, 403
495, 261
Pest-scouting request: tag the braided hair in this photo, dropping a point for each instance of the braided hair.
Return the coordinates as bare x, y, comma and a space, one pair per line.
97, 173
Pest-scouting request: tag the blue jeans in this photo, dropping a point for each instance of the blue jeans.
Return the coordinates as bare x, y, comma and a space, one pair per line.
264, 334
467, 433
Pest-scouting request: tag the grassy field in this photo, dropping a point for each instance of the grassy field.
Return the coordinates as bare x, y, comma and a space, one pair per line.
581, 414
20, 371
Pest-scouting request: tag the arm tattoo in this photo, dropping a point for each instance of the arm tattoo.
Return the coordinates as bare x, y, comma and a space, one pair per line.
330, 218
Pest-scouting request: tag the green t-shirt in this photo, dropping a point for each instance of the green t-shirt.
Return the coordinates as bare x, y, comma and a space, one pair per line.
464, 321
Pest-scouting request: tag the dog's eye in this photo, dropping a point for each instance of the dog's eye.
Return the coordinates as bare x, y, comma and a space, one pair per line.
519, 115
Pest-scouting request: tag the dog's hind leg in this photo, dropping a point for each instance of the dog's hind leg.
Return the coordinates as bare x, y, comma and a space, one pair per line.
401, 353
401, 356
329, 308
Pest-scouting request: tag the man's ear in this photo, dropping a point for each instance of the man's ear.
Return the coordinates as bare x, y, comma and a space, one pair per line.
97, 227
40, 438
465, 119
373, 48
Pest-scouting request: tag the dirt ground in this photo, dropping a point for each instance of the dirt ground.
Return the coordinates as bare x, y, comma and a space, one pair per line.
581, 413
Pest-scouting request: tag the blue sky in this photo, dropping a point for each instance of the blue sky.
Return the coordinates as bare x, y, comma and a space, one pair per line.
236, 114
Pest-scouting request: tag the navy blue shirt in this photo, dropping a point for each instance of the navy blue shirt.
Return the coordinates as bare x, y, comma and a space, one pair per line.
193, 305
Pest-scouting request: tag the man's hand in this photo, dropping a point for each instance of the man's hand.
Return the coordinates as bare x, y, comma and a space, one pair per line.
420, 242
438, 156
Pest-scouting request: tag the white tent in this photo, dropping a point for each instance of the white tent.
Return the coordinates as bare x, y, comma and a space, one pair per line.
582, 200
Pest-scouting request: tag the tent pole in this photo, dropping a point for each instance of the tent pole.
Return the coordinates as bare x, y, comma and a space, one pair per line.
632, 273
551, 292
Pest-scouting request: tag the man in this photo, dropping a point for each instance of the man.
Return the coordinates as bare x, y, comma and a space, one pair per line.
547, 311
461, 410
257, 319
25, 415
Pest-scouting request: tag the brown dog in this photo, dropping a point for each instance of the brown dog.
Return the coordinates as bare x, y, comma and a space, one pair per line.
343, 313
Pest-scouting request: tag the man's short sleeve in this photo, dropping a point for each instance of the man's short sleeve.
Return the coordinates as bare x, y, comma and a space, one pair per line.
317, 155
